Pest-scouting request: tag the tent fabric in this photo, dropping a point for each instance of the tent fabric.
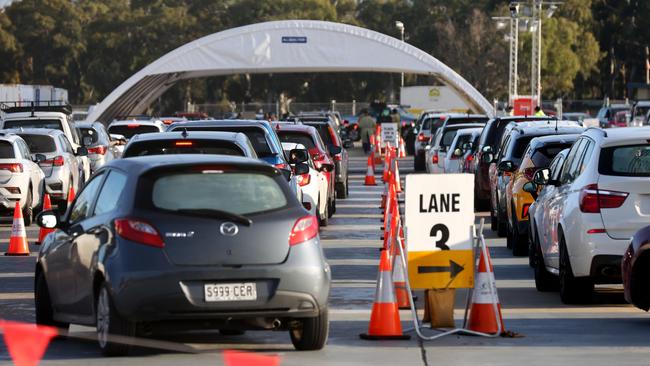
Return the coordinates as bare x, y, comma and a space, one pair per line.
292, 46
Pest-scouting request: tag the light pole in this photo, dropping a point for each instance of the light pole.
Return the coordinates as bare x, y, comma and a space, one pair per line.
513, 21
400, 26
536, 56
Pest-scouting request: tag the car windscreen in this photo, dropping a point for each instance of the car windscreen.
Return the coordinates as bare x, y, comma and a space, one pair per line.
52, 124
188, 146
641, 111
6, 150
39, 144
297, 138
215, 188
256, 135
89, 132
323, 131
543, 155
627, 161
131, 130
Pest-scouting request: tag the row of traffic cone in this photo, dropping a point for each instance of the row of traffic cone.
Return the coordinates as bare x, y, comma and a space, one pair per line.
18, 245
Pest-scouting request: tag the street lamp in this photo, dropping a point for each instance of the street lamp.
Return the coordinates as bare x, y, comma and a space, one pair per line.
399, 25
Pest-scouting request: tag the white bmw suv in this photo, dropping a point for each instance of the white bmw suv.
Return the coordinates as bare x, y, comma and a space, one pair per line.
21, 179
601, 198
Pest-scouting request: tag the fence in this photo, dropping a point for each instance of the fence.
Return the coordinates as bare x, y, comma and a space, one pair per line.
249, 110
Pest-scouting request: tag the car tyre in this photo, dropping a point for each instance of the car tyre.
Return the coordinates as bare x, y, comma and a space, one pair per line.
332, 209
231, 332
311, 333
493, 221
545, 281
502, 228
43, 305
111, 324
323, 220
28, 210
518, 242
573, 290
418, 163
342, 191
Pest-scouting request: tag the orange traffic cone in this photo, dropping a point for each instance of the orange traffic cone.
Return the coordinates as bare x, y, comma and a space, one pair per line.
402, 148
387, 162
372, 143
396, 179
370, 174
47, 205
399, 275
384, 195
482, 316
372, 159
389, 221
18, 240
384, 319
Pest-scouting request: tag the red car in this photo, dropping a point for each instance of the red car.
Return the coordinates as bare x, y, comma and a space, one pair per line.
310, 138
635, 269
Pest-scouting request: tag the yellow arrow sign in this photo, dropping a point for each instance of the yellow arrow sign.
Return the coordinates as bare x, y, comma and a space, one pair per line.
441, 269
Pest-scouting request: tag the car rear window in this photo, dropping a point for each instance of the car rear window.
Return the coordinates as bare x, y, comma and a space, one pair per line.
447, 138
627, 161
131, 130
6, 150
39, 144
297, 138
52, 124
255, 134
462, 140
241, 193
174, 147
520, 147
89, 132
323, 131
543, 155
432, 123
459, 120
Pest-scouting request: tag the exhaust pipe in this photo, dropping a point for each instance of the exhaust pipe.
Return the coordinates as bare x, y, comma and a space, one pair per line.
276, 323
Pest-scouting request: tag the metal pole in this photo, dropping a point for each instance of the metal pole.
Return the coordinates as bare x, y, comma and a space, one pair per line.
514, 46
402, 80
536, 56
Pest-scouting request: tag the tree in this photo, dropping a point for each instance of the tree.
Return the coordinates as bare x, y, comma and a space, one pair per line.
9, 52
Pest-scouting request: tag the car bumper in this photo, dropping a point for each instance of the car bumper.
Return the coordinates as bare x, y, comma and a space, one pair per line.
7, 199
598, 256
297, 288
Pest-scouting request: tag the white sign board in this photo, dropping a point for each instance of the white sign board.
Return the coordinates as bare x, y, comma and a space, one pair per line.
389, 134
442, 98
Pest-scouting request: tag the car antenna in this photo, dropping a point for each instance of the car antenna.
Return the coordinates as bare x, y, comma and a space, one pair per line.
184, 133
33, 107
555, 123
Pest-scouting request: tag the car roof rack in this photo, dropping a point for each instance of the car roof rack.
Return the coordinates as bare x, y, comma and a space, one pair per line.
39, 106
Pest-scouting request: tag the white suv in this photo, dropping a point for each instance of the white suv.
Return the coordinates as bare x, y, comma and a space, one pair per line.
21, 179
602, 198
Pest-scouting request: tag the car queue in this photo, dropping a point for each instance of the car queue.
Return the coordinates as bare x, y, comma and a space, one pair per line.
251, 196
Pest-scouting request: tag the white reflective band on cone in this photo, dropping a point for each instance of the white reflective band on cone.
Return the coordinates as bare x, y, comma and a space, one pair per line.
385, 290
485, 289
18, 228
398, 270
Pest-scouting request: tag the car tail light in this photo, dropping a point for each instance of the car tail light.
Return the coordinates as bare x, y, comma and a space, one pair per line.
434, 158
304, 179
138, 231
524, 210
13, 190
596, 231
593, 199
281, 166
528, 173
133, 125
101, 150
356, 127
421, 137
304, 229
470, 158
57, 161
183, 143
167, 121
12, 167
338, 157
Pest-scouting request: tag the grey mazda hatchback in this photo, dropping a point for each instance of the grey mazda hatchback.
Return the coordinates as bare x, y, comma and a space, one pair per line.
184, 242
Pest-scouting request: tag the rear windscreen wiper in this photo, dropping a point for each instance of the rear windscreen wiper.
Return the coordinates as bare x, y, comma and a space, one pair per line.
219, 214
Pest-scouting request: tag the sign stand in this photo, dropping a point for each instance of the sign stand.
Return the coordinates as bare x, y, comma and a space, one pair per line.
478, 244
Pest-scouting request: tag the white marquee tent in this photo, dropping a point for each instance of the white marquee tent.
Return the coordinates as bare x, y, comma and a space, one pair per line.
292, 46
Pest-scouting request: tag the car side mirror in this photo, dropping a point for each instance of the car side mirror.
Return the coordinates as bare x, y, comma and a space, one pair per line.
39, 158
326, 167
487, 158
458, 152
530, 187
87, 141
334, 150
540, 177
287, 174
82, 151
506, 166
48, 219
301, 168
298, 156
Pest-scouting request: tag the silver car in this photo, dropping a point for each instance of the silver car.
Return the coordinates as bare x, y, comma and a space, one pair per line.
95, 138
61, 168
21, 180
184, 242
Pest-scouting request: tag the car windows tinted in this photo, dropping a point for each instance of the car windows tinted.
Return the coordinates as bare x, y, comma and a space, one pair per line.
6, 150
627, 161
323, 131
447, 138
66, 144
297, 138
111, 192
52, 124
519, 147
543, 155
173, 147
256, 135
89, 132
240, 192
556, 167
83, 203
571, 163
39, 144
129, 131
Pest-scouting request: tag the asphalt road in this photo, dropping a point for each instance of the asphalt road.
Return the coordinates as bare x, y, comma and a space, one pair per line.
606, 332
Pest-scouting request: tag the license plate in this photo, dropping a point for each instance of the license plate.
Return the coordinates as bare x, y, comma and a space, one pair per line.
215, 292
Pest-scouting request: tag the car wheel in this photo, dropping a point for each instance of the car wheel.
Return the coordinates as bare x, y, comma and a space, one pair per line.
341, 191
544, 280
332, 209
28, 210
111, 324
493, 221
573, 290
502, 228
311, 333
323, 220
347, 188
418, 163
43, 305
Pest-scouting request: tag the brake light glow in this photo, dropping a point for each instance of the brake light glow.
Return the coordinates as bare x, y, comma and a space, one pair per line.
421, 137
281, 166
12, 167
101, 150
303, 179
524, 210
338, 157
184, 143
167, 121
133, 125
434, 158
592, 199
138, 231
57, 161
596, 231
528, 173
304, 229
